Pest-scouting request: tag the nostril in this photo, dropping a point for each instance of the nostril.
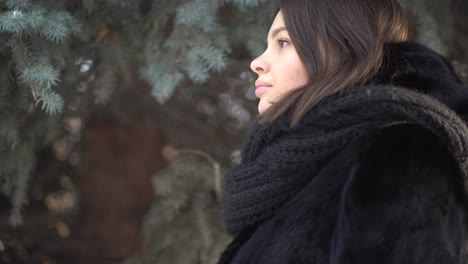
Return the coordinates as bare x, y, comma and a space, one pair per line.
259, 69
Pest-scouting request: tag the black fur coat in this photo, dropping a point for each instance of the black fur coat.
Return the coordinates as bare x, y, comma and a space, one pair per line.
395, 195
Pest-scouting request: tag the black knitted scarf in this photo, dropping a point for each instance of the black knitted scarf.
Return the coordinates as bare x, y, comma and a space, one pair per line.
278, 161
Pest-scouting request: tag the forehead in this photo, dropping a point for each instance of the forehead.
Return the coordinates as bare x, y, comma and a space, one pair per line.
278, 22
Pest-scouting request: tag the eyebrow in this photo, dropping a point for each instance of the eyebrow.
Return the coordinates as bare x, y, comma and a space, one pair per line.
277, 31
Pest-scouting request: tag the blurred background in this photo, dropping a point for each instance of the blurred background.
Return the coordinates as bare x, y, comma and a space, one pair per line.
118, 119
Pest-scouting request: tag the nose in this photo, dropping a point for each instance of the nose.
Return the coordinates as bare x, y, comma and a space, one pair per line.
260, 65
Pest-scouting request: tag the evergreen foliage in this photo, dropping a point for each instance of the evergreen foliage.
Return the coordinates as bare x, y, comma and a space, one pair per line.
196, 47
31, 30
248, 3
31, 37
185, 214
57, 56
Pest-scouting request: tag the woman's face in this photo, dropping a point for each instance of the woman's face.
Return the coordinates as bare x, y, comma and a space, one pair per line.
279, 68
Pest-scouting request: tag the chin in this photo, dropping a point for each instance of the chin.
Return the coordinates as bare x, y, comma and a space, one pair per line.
263, 105
260, 111
261, 108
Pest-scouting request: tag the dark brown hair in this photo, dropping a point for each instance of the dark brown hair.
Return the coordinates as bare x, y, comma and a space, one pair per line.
341, 44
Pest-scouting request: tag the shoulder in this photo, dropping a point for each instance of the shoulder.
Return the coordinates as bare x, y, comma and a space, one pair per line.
403, 157
402, 145
403, 197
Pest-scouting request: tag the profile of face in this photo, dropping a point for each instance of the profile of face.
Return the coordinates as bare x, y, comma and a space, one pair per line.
279, 68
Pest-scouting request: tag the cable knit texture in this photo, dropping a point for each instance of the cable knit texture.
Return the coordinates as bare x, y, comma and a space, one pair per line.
278, 161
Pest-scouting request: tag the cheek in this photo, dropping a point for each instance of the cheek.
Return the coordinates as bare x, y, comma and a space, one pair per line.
301, 72
301, 75
296, 77
296, 70
289, 72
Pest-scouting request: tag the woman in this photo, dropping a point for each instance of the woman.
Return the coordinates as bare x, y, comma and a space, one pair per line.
361, 149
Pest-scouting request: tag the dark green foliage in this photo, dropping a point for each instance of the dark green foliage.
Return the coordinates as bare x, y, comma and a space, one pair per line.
56, 57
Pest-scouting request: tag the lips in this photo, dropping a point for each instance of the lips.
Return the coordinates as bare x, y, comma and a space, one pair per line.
261, 86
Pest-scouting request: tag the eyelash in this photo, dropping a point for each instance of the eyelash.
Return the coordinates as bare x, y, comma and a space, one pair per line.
281, 41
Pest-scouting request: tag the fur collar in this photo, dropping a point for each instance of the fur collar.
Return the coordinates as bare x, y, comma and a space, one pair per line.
416, 67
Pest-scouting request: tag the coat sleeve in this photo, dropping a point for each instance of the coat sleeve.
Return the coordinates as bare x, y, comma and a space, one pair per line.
404, 202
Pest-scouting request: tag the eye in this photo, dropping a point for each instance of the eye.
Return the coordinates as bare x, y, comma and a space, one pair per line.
282, 43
